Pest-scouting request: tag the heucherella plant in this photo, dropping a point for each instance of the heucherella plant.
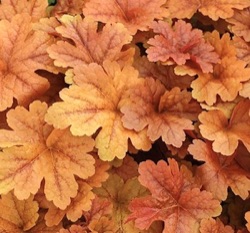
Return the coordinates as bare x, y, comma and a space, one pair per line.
123, 116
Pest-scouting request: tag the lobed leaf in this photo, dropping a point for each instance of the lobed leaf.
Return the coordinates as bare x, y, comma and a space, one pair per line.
226, 134
180, 206
89, 44
181, 44
135, 15
93, 104
219, 172
46, 153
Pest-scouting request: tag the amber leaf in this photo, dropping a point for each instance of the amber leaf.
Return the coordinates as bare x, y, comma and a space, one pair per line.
225, 133
43, 153
135, 15
219, 172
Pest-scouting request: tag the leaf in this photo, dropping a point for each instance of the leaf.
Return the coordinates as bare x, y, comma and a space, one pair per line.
242, 49
214, 226
227, 77
128, 169
34, 8
23, 214
83, 200
165, 74
226, 134
89, 44
219, 172
172, 199
43, 153
6, 227
104, 225
120, 193
247, 217
74, 229
215, 9
22, 53
163, 113
181, 44
240, 23
135, 15
93, 104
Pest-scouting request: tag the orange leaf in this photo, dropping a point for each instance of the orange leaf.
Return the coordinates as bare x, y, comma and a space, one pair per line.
181, 44
89, 44
83, 200
214, 226
23, 214
54, 155
172, 199
22, 53
227, 77
242, 49
247, 217
166, 114
215, 9
74, 229
241, 24
93, 103
219, 172
135, 15
35, 8
226, 134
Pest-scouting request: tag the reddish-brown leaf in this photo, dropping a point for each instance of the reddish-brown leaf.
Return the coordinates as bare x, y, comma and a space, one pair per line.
135, 15
225, 133
172, 199
181, 44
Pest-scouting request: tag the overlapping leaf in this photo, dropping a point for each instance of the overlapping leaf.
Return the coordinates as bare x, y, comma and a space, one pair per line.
172, 199
164, 73
215, 9
163, 113
40, 152
181, 44
120, 193
83, 200
241, 24
242, 49
135, 15
225, 133
214, 226
35, 8
93, 103
89, 44
227, 77
22, 53
219, 172
22, 214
